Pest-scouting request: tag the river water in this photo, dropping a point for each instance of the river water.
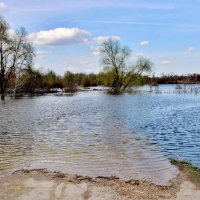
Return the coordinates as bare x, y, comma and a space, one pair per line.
96, 134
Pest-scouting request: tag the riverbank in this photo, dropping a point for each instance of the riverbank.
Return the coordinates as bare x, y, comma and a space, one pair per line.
44, 185
191, 172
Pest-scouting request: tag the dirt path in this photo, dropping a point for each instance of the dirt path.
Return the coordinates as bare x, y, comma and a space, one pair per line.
43, 185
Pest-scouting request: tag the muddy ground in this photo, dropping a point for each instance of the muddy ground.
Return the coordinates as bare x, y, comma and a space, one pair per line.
44, 185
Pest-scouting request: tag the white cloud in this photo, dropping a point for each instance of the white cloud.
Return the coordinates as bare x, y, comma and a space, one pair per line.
135, 55
80, 5
99, 40
138, 54
102, 39
96, 51
144, 43
190, 49
11, 32
41, 54
84, 62
166, 62
67, 36
2, 6
87, 63
60, 36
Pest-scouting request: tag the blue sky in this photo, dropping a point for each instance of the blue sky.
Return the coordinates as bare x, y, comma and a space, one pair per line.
66, 34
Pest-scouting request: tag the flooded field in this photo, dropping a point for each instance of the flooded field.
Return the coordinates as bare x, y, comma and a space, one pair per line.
96, 134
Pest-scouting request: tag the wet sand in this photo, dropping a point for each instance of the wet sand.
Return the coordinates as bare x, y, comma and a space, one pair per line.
44, 185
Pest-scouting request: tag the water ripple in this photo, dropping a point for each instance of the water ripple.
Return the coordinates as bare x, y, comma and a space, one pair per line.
95, 134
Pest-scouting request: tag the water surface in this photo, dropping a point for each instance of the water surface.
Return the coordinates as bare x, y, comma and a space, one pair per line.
92, 133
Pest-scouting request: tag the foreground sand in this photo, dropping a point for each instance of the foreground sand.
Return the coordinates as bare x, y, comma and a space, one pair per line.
44, 185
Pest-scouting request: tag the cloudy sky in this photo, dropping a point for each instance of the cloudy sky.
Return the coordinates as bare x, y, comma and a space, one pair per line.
66, 34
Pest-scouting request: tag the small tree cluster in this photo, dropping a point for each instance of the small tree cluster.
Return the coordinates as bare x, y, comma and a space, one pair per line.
122, 74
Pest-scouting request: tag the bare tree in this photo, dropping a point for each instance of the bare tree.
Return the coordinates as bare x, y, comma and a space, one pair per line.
15, 54
115, 59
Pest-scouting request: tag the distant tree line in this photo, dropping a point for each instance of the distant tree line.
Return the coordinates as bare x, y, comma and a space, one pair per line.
177, 79
34, 81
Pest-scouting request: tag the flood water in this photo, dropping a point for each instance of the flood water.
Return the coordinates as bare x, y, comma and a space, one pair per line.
96, 134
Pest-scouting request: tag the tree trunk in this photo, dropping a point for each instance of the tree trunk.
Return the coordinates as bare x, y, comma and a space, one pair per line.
2, 97
2, 91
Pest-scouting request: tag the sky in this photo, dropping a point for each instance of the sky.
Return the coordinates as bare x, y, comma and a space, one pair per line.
67, 34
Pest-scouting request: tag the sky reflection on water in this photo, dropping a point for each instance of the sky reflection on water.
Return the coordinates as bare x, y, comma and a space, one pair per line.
93, 134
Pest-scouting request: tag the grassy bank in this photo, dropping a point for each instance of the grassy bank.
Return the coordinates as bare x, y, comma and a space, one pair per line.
192, 172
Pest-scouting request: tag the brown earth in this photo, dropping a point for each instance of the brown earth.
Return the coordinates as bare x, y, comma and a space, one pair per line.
44, 185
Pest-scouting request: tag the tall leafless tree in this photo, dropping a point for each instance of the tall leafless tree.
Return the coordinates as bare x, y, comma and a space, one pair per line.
15, 54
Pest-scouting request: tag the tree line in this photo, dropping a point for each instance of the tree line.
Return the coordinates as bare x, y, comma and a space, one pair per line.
177, 79
34, 81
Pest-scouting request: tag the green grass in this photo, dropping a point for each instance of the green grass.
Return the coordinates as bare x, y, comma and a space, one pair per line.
192, 172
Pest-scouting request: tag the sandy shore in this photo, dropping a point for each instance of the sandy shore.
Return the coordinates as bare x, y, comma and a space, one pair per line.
44, 185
